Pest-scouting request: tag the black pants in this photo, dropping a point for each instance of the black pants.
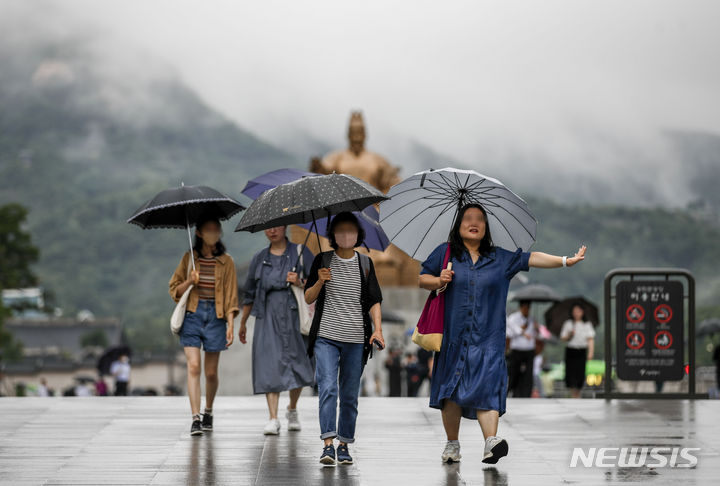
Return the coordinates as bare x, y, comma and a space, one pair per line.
575, 361
520, 371
121, 388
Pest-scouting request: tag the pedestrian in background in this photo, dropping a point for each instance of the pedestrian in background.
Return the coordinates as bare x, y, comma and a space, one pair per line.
580, 338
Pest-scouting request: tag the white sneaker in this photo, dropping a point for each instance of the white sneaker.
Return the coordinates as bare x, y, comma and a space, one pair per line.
272, 427
451, 452
293, 420
495, 448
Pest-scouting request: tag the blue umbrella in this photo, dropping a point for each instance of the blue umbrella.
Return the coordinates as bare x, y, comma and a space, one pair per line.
262, 183
375, 237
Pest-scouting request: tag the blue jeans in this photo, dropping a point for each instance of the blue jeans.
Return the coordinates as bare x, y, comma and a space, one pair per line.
202, 329
335, 359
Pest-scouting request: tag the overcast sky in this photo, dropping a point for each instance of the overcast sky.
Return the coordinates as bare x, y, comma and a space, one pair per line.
583, 86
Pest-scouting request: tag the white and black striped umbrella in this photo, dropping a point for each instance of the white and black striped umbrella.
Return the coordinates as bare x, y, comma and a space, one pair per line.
308, 199
422, 208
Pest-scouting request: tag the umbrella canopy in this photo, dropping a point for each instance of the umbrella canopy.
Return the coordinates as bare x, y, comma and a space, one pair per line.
84, 379
308, 199
708, 327
272, 179
422, 210
110, 356
535, 293
181, 207
375, 237
560, 311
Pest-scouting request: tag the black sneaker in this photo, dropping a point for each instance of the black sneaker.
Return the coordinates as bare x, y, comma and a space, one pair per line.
207, 422
328, 455
196, 427
343, 455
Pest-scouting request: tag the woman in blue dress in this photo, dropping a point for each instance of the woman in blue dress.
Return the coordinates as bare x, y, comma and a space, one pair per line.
469, 373
279, 359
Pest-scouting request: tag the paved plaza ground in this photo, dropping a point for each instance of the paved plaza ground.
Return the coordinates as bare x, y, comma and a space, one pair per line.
145, 440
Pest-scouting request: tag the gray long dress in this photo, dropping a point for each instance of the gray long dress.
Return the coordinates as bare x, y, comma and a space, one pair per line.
279, 357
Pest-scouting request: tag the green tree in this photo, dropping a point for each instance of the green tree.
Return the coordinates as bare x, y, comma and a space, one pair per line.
17, 253
94, 338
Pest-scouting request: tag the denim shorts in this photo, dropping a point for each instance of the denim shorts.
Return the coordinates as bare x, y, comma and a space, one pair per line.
202, 328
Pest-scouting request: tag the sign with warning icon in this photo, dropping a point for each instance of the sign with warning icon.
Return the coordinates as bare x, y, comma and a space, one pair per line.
650, 344
663, 340
635, 339
635, 313
663, 313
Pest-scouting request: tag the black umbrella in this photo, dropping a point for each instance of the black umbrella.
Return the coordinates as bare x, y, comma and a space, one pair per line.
708, 327
182, 206
308, 199
535, 293
84, 379
110, 356
556, 315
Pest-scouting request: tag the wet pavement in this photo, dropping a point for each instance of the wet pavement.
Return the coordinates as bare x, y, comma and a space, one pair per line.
145, 440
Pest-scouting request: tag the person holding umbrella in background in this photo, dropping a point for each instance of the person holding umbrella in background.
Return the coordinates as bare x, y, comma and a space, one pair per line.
211, 310
279, 360
580, 337
120, 370
521, 335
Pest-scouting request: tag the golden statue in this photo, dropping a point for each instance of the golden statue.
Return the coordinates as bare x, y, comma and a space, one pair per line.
357, 161
393, 266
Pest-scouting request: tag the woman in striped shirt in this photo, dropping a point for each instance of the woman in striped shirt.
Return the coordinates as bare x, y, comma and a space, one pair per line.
348, 296
211, 310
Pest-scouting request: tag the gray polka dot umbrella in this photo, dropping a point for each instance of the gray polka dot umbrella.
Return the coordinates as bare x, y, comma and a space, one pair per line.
308, 199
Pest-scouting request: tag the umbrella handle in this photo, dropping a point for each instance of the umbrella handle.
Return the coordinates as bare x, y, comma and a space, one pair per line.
444, 287
288, 284
187, 225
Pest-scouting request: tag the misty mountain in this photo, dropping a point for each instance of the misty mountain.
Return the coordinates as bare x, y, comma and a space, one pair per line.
83, 145
88, 133
682, 169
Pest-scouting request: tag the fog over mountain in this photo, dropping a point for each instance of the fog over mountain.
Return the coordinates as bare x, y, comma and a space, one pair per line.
573, 100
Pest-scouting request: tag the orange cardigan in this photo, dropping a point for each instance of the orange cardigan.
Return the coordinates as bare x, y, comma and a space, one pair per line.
226, 286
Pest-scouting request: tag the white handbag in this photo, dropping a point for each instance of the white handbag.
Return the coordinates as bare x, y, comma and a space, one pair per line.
305, 311
178, 315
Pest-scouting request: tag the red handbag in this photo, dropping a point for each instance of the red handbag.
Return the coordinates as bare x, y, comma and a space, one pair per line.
429, 330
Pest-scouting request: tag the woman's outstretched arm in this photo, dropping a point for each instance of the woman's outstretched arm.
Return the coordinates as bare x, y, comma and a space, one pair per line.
539, 259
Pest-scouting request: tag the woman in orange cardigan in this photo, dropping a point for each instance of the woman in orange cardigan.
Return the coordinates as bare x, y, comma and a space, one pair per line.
211, 310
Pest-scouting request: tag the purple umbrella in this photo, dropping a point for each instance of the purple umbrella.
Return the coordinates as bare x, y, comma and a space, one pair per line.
375, 237
262, 183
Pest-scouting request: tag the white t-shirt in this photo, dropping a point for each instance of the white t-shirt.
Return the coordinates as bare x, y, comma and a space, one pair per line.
583, 332
120, 370
514, 332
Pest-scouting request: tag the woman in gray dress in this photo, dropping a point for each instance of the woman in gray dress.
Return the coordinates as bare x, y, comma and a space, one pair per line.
279, 359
